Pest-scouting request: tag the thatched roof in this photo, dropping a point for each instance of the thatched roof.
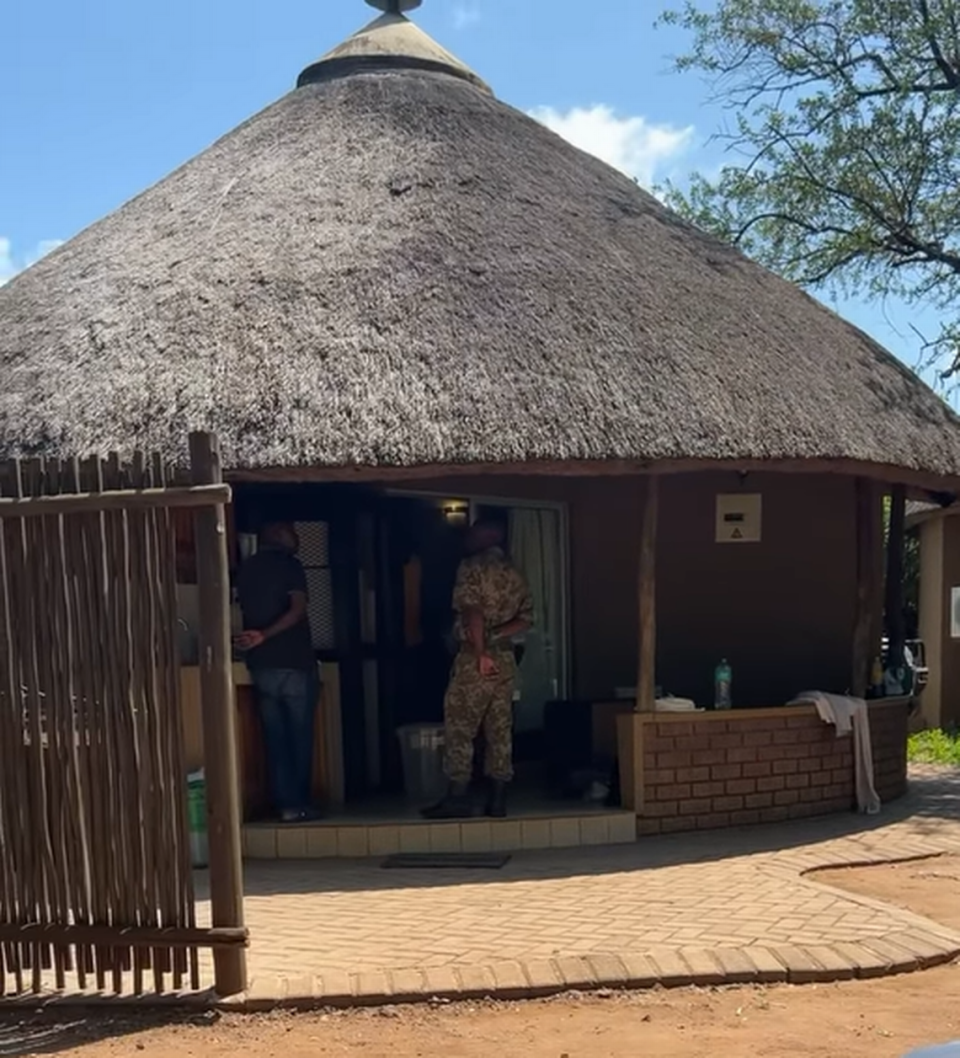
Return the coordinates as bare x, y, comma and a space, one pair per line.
391, 267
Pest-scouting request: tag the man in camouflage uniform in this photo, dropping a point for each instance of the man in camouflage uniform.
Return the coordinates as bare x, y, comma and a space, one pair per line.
493, 604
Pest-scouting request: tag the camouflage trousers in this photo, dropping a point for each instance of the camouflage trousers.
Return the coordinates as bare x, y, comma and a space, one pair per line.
471, 704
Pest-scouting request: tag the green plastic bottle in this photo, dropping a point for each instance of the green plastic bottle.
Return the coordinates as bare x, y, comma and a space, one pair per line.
722, 684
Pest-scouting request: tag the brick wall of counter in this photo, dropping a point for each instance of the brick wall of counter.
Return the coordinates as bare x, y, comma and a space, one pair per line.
706, 771
889, 727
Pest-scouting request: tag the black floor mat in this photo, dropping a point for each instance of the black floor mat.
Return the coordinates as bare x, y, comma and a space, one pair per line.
447, 860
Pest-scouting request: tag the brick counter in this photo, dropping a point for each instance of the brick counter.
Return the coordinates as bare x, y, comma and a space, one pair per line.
889, 728
734, 768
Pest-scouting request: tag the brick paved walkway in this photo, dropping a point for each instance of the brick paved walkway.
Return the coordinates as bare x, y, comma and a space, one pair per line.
704, 908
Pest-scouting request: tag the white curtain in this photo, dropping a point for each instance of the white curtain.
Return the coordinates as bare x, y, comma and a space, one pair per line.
535, 548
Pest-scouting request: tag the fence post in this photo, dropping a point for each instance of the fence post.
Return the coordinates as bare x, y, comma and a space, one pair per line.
219, 718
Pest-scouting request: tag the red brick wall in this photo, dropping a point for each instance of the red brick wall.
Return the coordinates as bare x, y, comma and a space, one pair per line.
747, 768
708, 773
888, 740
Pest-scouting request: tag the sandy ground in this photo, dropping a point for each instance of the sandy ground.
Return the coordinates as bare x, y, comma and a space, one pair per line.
879, 1019
930, 887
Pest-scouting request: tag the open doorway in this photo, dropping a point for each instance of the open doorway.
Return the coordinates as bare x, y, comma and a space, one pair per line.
381, 567
426, 536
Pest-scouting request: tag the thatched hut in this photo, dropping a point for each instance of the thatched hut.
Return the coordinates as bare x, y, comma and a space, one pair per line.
394, 297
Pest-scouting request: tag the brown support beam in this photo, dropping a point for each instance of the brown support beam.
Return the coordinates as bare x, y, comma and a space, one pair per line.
866, 643
219, 719
647, 591
893, 609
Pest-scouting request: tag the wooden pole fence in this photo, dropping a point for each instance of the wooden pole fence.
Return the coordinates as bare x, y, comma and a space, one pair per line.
133, 937
115, 500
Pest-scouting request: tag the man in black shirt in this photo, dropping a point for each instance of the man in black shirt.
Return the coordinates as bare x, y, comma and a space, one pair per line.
273, 599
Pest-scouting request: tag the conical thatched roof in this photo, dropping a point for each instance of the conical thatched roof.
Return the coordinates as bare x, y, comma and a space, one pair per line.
389, 266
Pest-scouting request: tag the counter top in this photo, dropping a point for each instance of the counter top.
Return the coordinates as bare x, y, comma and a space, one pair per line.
241, 674
713, 715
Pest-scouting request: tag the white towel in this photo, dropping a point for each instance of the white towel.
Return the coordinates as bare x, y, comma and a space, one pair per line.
850, 715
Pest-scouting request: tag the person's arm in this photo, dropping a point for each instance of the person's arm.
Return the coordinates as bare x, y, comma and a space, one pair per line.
294, 614
523, 622
468, 602
474, 628
516, 627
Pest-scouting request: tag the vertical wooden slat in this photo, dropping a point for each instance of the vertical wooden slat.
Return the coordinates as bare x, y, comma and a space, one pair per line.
111, 565
147, 902
90, 589
83, 662
219, 719
42, 863
172, 748
54, 686
647, 592
12, 752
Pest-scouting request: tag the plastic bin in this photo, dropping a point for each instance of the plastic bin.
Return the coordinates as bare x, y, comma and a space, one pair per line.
421, 747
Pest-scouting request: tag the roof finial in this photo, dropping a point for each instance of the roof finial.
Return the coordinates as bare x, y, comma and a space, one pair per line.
394, 7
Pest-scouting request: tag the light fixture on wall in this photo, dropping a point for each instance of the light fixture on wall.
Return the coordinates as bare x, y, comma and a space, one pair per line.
456, 512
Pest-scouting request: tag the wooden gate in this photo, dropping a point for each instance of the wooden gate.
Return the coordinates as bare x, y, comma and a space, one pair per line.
96, 884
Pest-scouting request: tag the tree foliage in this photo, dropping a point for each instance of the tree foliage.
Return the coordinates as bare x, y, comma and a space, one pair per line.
845, 145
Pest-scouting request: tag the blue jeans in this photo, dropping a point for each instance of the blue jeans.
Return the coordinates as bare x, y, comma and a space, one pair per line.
287, 702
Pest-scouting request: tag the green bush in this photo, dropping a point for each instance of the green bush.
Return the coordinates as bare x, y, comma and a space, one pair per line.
934, 747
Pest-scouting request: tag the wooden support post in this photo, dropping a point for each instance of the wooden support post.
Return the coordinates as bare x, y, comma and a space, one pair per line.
893, 609
868, 523
647, 590
219, 719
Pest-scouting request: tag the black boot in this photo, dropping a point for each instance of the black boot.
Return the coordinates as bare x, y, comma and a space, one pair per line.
497, 802
455, 804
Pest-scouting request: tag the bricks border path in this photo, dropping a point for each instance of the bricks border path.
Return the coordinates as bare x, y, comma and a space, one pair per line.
901, 952
923, 826
730, 907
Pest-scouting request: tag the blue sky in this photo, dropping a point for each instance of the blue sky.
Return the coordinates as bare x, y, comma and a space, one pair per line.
99, 99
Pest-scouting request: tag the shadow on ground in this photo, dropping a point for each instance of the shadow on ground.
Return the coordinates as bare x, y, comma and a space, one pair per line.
934, 797
56, 1031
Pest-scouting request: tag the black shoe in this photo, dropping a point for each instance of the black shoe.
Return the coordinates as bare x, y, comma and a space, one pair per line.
497, 802
455, 805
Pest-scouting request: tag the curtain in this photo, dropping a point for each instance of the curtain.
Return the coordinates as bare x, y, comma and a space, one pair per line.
534, 542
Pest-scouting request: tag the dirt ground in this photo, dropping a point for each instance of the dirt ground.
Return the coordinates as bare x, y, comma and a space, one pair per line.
929, 887
859, 1019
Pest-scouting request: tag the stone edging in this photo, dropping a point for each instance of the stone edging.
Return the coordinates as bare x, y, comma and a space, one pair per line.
899, 952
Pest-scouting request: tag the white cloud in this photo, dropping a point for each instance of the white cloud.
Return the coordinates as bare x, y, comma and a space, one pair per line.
11, 263
465, 14
633, 145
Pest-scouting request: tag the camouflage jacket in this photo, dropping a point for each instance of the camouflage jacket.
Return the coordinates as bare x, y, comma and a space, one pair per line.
492, 584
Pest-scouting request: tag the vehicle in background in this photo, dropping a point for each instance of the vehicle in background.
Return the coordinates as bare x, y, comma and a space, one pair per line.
915, 659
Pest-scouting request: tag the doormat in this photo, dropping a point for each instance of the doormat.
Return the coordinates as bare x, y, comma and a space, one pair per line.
447, 860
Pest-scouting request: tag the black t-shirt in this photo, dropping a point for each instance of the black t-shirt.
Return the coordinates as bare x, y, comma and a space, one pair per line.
264, 585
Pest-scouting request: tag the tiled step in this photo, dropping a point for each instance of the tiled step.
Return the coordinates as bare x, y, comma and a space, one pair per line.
264, 841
